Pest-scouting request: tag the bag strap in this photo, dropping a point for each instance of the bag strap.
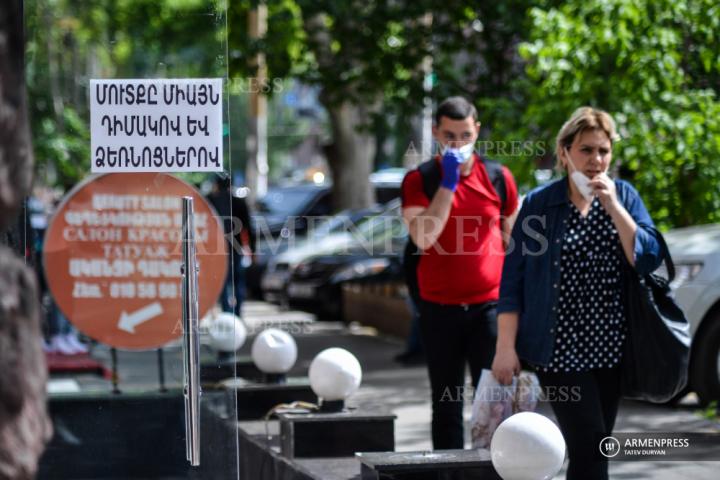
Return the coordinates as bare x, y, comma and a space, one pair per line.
664, 253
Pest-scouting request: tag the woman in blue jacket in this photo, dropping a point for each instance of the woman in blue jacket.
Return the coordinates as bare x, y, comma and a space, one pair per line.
560, 306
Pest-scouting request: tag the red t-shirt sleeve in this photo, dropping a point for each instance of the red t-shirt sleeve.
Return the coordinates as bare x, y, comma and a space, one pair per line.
412, 191
511, 192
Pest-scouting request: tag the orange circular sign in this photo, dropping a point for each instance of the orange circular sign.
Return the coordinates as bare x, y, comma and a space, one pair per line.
113, 256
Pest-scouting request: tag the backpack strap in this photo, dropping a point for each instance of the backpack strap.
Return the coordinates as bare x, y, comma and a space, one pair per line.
431, 175
497, 178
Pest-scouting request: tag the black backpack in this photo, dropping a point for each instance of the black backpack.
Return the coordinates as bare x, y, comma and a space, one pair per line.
430, 173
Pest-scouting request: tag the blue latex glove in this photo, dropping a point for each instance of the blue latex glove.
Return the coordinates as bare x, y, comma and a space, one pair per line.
451, 162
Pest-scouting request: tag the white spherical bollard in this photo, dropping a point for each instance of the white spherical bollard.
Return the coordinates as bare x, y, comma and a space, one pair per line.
335, 374
227, 332
527, 446
274, 351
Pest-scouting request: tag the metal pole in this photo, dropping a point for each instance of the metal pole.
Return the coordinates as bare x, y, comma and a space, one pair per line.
191, 344
161, 369
115, 376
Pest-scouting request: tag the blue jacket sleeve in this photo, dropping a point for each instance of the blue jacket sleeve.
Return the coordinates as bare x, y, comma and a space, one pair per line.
512, 281
648, 254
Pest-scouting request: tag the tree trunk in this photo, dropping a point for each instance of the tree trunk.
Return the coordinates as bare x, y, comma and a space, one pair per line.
351, 155
24, 423
15, 148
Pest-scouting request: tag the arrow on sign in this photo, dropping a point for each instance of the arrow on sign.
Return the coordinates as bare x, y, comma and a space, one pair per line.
128, 321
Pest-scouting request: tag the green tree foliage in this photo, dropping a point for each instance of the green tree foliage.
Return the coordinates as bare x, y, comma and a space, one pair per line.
655, 66
69, 42
58, 115
282, 45
356, 52
366, 48
527, 64
477, 56
370, 55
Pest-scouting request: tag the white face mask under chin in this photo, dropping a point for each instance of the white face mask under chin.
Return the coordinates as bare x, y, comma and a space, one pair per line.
582, 182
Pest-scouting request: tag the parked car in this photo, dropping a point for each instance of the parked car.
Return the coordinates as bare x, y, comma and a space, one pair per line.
374, 252
285, 212
387, 183
298, 202
295, 201
696, 254
301, 202
335, 234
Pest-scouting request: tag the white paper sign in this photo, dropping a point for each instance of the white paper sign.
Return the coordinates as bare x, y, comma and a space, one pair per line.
156, 125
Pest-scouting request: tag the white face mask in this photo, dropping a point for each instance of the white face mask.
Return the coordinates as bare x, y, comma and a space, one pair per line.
465, 151
582, 182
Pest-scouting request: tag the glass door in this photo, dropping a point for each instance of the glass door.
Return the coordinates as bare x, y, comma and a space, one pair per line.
128, 104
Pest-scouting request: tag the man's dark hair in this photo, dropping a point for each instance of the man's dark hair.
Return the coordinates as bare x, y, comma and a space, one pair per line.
455, 108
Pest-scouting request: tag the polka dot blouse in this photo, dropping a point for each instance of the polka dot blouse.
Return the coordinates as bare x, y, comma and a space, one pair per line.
590, 327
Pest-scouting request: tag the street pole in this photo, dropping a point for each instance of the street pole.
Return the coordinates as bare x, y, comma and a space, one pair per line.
257, 166
420, 148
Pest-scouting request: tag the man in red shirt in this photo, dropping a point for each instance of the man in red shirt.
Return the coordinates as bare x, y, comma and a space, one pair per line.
460, 232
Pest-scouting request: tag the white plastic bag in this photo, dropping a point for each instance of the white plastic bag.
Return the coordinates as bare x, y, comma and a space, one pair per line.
494, 402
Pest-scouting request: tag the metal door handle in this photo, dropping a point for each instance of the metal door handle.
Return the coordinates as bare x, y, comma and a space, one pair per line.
191, 341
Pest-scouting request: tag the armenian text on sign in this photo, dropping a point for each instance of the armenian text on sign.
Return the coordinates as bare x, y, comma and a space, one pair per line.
113, 257
157, 125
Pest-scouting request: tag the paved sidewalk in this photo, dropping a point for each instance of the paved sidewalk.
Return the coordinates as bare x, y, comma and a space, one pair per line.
405, 391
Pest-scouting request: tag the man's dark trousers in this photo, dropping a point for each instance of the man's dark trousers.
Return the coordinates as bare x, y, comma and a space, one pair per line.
453, 336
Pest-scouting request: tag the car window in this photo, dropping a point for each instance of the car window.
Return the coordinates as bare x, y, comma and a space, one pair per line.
336, 223
322, 206
285, 202
385, 193
380, 225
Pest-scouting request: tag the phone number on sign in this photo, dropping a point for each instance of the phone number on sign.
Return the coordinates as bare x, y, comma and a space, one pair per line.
126, 290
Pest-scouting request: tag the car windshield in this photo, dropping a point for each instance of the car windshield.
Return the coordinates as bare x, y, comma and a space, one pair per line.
284, 202
334, 224
379, 226
345, 221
